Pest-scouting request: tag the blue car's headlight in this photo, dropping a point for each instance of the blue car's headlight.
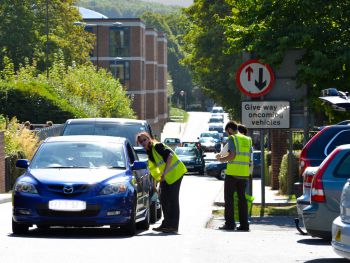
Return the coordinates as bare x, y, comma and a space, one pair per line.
117, 188
24, 187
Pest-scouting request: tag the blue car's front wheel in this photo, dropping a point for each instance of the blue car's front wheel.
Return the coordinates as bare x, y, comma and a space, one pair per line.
19, 229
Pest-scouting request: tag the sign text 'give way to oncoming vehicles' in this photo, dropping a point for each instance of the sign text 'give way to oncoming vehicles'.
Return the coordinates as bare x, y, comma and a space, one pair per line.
266, 114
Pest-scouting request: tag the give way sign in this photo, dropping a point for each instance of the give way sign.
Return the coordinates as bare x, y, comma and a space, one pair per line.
254, 78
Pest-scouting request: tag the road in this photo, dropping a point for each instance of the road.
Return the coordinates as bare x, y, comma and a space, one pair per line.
273, 240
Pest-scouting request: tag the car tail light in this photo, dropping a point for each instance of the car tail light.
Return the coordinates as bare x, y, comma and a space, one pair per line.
304, 161
307, 183
317, 191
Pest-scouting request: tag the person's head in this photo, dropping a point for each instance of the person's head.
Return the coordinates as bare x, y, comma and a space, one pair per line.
242, 129
49, 123
231, 127
144, 139
27, 125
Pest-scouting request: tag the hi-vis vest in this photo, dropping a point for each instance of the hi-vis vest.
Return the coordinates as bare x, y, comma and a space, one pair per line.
175, 172
239, 166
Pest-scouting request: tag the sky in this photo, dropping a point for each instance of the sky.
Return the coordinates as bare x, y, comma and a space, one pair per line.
182, 3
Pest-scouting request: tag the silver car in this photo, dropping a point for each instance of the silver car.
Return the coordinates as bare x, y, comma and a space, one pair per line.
305, 199
341, 225
326, 189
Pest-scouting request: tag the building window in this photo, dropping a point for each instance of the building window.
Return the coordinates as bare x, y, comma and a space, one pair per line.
119, 40
120, 70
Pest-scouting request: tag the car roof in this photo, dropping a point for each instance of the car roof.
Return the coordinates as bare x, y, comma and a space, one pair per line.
105, 120
86, 138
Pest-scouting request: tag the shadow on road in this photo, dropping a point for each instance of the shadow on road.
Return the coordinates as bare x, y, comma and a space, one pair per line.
327, 260
282, 221
314, 242
75, 233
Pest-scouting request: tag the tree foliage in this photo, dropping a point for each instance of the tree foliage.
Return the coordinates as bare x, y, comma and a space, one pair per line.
321, 28
23, 32
206, 52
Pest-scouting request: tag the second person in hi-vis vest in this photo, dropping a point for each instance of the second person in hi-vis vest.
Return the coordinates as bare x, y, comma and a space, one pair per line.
168, 170
237, 174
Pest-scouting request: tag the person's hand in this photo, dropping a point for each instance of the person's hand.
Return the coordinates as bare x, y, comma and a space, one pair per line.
218, 156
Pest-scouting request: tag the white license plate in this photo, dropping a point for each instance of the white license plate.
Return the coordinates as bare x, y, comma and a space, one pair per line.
190, 166
67, 205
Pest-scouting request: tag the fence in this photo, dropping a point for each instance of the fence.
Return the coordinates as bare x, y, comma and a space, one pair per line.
54, 130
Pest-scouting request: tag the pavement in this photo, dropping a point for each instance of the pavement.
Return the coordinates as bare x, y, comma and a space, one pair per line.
4, 198
272, 197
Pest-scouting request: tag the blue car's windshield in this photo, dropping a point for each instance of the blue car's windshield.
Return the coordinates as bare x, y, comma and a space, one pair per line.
79, 155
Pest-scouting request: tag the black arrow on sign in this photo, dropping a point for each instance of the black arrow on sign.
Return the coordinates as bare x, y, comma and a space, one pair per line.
260, 85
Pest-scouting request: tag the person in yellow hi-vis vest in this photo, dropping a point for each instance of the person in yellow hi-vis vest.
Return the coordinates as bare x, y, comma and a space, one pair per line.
237, 174
168, 170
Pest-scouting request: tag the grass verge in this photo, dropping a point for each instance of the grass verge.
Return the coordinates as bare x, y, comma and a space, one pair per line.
268, 211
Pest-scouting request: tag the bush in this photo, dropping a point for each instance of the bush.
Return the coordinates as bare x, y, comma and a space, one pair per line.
35, 102
19, 143
286, 182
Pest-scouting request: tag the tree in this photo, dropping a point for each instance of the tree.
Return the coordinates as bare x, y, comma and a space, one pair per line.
23, 32
321, 28
206, 46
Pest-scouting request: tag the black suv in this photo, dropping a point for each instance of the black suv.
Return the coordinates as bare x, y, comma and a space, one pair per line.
119, 127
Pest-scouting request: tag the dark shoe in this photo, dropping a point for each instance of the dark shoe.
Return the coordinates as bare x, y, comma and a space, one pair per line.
169, 230
158, 229
243, 228
227, 227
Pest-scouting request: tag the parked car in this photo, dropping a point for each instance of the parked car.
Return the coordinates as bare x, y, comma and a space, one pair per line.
209, 144
216, 119
326, 188
82, 181
218, 127
341, 225
117, 127
216, 136
192, 159
218, 169
305, 199
217, 109
172, 142
322, 144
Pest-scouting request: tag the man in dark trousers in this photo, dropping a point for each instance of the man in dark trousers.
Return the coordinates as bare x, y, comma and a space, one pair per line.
237, 173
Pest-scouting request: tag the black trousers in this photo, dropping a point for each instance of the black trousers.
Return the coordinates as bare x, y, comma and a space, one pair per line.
169, 198
233, 184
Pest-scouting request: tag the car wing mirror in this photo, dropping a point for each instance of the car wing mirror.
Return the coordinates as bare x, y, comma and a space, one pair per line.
22, 163
139, 165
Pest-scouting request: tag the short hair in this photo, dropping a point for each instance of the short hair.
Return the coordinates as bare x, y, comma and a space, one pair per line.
232, 125
242, 129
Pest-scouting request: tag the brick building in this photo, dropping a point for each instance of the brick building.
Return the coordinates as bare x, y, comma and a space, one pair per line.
137, 56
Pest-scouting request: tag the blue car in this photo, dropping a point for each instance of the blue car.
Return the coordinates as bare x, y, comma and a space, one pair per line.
82, 181
218, 169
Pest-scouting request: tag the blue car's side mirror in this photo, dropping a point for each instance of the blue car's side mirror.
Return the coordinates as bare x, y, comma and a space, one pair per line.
22, 163
138, 165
